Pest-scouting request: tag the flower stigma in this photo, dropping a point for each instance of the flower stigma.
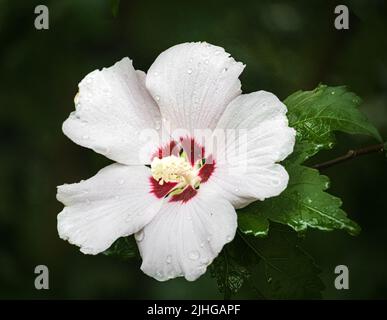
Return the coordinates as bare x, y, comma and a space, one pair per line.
176, 169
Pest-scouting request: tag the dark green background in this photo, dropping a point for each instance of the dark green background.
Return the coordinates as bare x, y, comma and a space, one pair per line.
286, 45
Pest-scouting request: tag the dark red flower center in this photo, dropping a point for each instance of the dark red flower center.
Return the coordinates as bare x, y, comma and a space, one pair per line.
186, 186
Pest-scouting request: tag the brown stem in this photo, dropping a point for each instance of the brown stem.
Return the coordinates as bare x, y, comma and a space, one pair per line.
350, 155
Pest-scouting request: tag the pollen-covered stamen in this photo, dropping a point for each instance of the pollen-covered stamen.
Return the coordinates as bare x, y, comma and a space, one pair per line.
175, 169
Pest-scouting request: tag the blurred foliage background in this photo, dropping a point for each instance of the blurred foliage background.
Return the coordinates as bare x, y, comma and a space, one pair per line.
286, 45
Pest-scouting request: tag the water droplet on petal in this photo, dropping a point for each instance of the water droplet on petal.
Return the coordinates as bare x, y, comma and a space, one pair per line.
121, 181
228, 238
169, 259
189, 71
85, 137
116, 197
217, 52
157, 98
202, 245
206, 61
156, 73
159, 274
139, 236
194, 255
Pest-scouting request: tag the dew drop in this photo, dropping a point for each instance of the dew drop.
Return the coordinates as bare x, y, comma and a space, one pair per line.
169, 259
217, 52
236, 189
209, 239
116, 197
85, 137
202, 245
206, 61
159, 274
269, 280
156, 73
189, 71
157, 98
194, 255
333, 92
139, 236
121, 181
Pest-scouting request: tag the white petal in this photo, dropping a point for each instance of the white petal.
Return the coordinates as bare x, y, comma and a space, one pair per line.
113, 108
246, 168
193, 83
183, 239
116, 202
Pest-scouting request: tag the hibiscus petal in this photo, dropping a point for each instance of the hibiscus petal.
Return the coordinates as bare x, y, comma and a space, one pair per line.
113, 108
116, 202
246, 165
193, 83
183, 239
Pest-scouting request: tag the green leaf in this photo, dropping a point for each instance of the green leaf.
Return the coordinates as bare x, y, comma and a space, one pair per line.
124, 248
253, 223
285, 270
233, 267
318, 113
274, 267
303, 204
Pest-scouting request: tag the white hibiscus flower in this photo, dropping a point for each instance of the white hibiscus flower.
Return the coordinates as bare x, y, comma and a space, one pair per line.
181, 208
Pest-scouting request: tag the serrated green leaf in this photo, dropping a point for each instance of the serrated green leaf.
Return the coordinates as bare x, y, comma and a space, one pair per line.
303, 204
124, 248
318, 113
